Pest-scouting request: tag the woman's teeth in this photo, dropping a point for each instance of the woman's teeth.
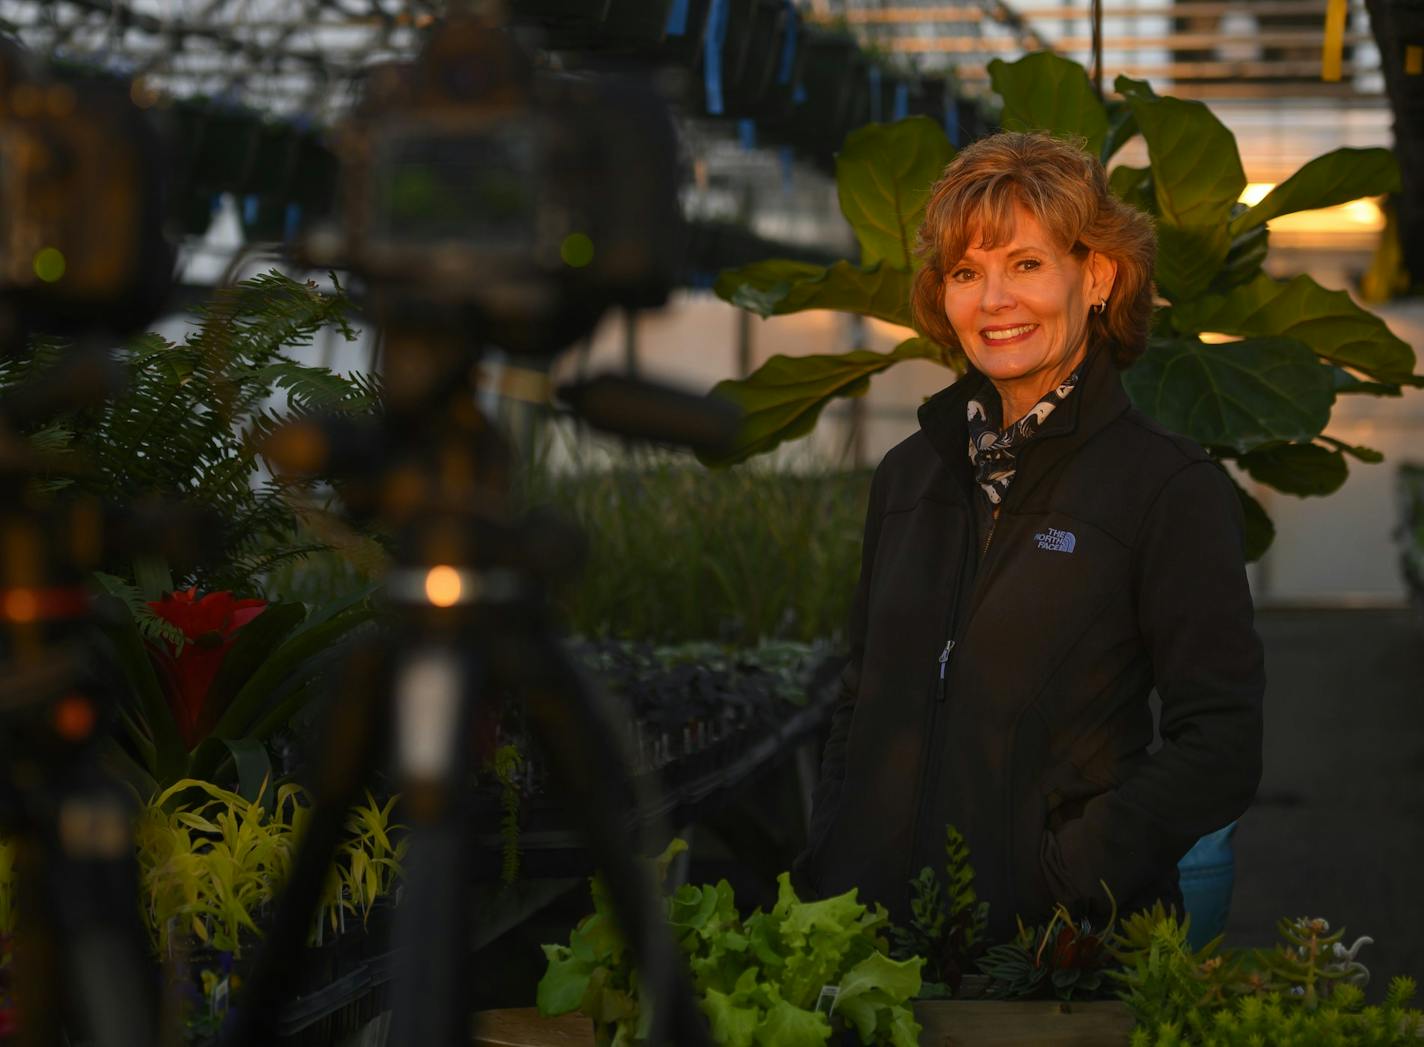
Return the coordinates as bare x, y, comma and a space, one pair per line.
1011, 332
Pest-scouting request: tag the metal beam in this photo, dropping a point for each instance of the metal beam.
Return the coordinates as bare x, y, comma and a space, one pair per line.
1171, 42
918, 15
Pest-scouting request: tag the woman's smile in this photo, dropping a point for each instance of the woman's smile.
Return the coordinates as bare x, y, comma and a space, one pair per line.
1005, 335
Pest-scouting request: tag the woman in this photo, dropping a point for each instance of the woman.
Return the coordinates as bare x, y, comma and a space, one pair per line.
1038, 557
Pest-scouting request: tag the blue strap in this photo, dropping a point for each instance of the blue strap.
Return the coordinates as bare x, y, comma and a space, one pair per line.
746, 132
712, 46
677, 18
786, 155
788, 45
292, 221
874, 72
250, 204
798, 93
951, 117
902, 101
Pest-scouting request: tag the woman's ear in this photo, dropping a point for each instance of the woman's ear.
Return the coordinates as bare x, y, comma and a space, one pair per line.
1102, 274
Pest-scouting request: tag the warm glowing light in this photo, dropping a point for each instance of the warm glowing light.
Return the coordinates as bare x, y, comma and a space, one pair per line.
442, 586
1366, 212
74, 718
1255, 192
49, 264
21, 605
576, 250
1216, 338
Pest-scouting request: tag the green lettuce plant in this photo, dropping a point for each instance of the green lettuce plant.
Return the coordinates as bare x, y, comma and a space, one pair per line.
760, 980
1262, 400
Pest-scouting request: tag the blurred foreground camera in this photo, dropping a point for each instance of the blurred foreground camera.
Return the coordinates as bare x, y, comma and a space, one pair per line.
528, 200
81, 215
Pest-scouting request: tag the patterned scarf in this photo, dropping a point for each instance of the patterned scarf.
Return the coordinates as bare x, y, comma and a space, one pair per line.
992, 452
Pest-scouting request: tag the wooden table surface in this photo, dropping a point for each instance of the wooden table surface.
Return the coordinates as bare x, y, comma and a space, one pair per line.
957, 1023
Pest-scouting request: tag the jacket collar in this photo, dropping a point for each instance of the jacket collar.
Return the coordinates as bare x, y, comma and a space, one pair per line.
1098, 400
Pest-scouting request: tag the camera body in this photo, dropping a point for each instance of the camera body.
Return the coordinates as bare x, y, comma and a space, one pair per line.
81, 230
526, 200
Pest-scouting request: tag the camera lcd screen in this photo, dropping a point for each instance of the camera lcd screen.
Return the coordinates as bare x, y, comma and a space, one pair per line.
472, 186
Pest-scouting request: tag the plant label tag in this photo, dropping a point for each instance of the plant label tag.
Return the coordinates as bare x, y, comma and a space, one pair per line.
219, 1000
826, 1002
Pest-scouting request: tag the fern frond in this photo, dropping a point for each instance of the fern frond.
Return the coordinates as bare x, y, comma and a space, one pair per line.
150, 626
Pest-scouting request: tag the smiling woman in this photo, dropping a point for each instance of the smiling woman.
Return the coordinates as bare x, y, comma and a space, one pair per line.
1037, 558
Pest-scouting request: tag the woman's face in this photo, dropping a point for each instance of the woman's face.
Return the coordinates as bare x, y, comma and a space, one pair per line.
1021, 309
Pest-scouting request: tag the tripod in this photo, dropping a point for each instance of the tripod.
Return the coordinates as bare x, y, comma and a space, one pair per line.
81, 956
468, 595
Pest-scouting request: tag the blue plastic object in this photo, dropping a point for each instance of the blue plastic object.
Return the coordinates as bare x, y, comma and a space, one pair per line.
1207, 873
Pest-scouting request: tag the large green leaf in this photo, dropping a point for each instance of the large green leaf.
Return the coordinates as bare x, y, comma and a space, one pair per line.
1189, 260
782, 398
1301, 469
253, 646
1133, 185
1046, 92
883, 175
1259, 531
780, 285
259, 690
149, 720
1327, 321
1244, 258
1196, 178
1122, 128
1334, 178
1241, 395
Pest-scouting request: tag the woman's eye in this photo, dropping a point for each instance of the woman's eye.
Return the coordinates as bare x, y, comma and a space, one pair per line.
961, 275
1030, 264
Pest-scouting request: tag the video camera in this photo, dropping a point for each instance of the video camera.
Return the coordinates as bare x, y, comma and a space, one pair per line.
81, 205
528, 200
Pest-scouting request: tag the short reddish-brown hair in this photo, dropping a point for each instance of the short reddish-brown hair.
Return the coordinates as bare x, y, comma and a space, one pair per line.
1066, 190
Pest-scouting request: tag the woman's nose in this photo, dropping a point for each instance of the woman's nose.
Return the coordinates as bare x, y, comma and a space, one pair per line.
997, 293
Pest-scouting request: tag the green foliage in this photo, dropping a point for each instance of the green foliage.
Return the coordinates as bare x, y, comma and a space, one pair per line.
508, 762
271, 673
188, 423
758, 979
677, 553
1068, 958
784, 397
1265, 400
948, 923
211, 862
1305, 992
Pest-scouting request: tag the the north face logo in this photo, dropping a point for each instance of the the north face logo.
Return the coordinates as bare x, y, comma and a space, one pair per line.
1056, 541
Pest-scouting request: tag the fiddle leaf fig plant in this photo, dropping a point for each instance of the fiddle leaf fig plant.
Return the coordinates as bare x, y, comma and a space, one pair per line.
1247, 365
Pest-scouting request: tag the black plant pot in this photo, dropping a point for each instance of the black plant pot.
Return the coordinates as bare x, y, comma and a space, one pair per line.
684, 48
226, 149
746, 86
567, 24
274, 157
828, 79
315, 172
634, 25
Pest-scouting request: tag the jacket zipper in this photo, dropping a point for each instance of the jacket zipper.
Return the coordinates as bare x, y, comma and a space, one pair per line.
944, 666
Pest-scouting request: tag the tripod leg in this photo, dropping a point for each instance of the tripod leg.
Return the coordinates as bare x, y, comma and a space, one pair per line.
588, 757
82, 955
353, 729
436, 691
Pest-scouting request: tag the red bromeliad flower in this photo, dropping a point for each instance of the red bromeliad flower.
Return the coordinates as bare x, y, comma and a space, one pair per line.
209, 626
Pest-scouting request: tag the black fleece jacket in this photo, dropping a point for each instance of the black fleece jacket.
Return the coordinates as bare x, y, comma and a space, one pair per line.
1005, 689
